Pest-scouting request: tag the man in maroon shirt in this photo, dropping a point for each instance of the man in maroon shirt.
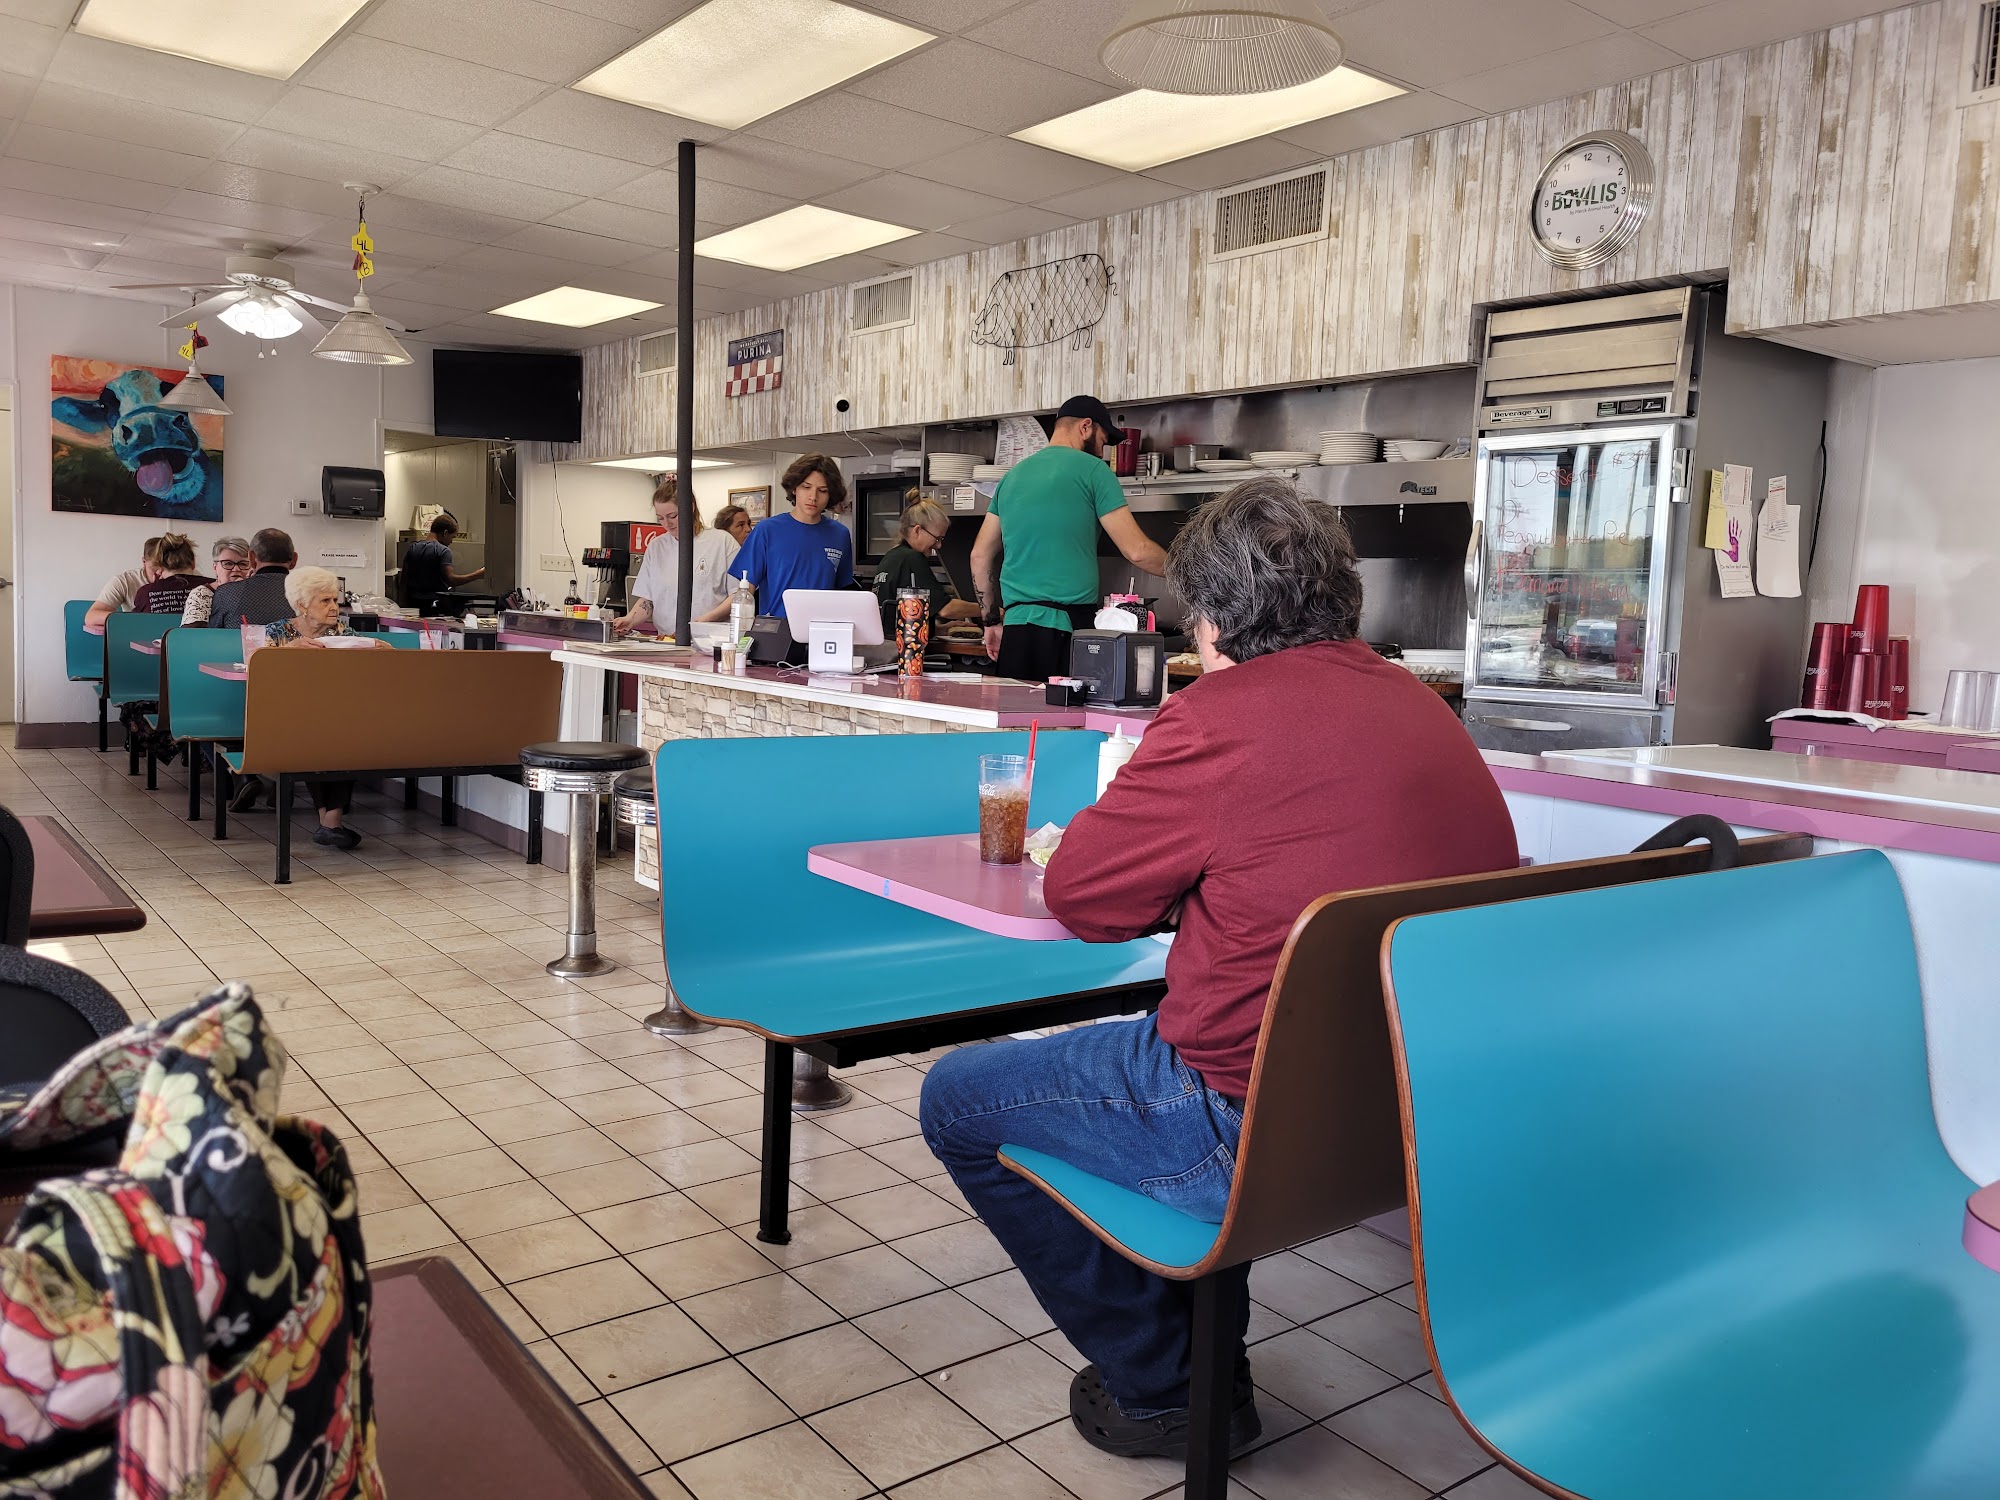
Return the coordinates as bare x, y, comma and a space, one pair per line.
1301, 763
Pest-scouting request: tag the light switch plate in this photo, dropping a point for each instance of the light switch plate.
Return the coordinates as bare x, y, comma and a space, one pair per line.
555, 562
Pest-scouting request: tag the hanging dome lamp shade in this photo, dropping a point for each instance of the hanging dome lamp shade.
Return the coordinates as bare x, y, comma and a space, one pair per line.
1222, 46
361, 337
193, 394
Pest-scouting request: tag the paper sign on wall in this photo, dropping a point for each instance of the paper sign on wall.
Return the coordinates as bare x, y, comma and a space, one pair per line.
1778, 544
343, 559
1732, 522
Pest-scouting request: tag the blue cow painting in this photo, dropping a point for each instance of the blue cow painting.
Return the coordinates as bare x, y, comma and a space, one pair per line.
117, 451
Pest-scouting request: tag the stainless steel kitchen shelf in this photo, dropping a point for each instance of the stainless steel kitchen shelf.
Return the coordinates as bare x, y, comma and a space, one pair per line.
1439, 481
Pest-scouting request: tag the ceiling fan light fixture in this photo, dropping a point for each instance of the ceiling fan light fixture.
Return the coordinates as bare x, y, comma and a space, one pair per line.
194, 395
361, 338
1222, 46
261, 316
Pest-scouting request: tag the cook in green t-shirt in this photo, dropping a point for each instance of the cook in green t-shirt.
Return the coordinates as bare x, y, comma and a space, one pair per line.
1037, 549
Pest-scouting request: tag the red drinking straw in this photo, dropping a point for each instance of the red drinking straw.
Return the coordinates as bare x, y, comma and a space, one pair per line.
1034, 728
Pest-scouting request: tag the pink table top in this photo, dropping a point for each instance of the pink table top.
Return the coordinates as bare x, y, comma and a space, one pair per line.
1982, 1226
97, 629
228, 671
944, 876
145, 648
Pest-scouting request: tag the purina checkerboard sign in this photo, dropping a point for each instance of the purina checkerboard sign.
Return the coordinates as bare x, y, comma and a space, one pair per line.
756, 364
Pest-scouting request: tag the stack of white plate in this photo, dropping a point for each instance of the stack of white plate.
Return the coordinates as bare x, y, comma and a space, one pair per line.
1223, 465
1410, 450
1349, 448
952, 468
1284, 458
906, 459
986, 473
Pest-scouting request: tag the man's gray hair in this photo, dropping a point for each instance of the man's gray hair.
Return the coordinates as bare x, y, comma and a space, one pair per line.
1268, 569
303, 585
228, 544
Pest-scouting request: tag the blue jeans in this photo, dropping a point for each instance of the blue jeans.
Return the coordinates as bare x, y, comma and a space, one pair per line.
1117, 1101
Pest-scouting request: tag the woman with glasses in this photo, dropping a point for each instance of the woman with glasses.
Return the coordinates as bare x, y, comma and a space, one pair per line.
907, 565
230, 561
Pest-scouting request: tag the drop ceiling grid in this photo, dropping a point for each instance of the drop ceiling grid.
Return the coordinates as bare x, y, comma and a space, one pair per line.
118, 164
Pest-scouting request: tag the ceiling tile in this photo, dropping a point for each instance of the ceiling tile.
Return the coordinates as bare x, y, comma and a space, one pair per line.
619, 221
142, 268
852, 268
133, 73
48, 12
708, 304
1012, 169
1572, 70
199, 216
331, 118
15, 92
1732, 25
26, 47
93, 153
771, 167
472, 292
367, 67
715, 202
1062, 33
35, 225
571, 245
1375, 124
1425, 42
395, 211
227, 179
1012, 224
865, 129
978, 86
911, 202
488, 195
592, 123
544, 164
413, 315
327, 161
91, 187
521, 36
1117, 197
49, 255
1246, 161
1638, 12
90, 112
943, 15
921, 249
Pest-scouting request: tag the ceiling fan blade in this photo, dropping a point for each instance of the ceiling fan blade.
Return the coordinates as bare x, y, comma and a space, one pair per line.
173, 286
295, 305
297, 295
206, 309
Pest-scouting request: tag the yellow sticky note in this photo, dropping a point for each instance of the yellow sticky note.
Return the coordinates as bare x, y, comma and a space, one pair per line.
1717, 535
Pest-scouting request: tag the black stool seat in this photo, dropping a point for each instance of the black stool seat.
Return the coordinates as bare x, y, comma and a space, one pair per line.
637, 783
583, 755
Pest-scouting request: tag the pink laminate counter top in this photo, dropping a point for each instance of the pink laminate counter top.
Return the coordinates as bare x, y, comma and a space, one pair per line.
944, 876
1918, 808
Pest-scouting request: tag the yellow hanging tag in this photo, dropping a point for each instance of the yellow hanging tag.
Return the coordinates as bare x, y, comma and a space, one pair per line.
363, 246
187, 349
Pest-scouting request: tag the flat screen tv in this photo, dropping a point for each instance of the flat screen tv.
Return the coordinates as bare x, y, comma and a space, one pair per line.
488, 393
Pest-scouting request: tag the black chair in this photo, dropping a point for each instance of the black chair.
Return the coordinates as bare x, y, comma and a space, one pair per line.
17, 880
49, 1012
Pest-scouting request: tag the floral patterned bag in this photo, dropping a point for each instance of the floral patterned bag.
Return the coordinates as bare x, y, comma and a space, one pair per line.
193, 1321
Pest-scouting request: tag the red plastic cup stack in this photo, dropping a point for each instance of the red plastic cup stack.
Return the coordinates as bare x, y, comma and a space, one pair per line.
1871, 620
1864, 683
1899, 677
1826, 665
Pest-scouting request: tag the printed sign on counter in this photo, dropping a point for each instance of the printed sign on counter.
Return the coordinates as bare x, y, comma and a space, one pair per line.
1778, 544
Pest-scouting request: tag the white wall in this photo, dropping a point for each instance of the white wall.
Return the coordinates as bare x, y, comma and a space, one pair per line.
292, 415
1910, 504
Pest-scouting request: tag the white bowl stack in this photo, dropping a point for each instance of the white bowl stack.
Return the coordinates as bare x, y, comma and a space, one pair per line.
953, 468
1284, 458
1349, 448
989, 473
1410, 450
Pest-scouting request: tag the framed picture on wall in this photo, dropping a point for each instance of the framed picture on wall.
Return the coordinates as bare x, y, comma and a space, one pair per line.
756, 500
117, 450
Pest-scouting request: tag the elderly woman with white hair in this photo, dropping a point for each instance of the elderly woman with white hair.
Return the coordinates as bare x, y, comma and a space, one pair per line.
314, 595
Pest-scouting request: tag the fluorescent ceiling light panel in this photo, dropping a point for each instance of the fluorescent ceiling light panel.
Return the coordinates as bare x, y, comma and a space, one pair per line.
657, 463
734, 61
799, 237
1146, 128
573, 307
251, 36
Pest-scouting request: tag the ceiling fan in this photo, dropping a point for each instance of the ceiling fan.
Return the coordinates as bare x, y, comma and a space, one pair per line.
258, 295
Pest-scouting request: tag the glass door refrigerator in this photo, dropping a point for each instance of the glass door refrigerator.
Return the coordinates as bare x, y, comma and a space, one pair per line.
1595, 618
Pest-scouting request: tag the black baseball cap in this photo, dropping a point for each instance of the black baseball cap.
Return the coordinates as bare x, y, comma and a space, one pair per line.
1093, 409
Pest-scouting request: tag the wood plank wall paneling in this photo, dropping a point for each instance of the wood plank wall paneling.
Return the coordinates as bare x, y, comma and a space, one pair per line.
1830, 177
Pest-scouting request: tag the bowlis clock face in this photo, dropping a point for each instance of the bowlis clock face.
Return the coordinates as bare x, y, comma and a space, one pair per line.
1591, 199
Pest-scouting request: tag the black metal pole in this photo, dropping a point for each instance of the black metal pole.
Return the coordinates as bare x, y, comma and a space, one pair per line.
684, 397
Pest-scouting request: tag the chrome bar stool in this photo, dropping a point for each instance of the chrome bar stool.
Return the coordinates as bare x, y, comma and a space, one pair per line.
584, 770
633, 804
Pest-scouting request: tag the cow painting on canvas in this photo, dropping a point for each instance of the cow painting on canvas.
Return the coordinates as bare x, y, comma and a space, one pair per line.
117, 451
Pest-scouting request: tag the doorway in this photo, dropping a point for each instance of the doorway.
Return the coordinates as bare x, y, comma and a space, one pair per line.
8, 668
473, 481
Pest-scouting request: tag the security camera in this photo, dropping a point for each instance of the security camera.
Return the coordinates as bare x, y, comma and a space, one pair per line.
843, 406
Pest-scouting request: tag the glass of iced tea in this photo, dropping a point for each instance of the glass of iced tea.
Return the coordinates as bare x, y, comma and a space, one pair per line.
1003, 808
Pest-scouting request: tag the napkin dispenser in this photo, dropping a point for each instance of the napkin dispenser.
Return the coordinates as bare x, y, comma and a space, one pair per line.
1119, 666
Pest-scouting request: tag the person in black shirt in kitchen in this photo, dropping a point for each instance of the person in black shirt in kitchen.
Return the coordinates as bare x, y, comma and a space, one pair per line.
907, 565
427, 569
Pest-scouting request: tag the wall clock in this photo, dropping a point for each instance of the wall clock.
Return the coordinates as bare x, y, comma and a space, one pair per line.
1591, 199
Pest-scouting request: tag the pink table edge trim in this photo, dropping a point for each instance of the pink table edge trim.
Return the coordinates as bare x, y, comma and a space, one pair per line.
146, 648
1982, 1238
963, 913
1780, 817
225, 672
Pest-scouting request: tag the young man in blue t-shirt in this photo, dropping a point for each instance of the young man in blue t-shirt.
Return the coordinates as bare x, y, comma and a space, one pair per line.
803, 550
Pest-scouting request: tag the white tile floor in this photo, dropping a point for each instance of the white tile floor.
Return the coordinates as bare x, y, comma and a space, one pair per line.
598, 1184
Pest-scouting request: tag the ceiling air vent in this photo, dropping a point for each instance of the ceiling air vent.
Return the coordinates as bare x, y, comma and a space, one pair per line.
886, 302
1269, 215
1982, 45
658, 353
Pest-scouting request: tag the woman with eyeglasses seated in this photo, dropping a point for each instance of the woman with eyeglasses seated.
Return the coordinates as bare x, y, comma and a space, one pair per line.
229, 560
314, 595
907, 565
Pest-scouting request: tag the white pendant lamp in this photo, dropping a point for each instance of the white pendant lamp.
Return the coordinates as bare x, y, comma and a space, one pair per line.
195, 395
1222, 46
361, 337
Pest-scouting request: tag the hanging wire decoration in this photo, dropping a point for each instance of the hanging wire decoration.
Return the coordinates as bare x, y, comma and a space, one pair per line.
1045, 304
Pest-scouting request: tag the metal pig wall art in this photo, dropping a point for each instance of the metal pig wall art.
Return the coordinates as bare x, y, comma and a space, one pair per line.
1045, 304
